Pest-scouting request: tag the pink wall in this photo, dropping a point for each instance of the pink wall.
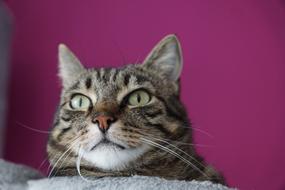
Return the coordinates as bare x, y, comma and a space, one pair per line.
233, 81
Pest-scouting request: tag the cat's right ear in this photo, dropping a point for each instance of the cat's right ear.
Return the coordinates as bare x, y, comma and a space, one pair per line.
69, 66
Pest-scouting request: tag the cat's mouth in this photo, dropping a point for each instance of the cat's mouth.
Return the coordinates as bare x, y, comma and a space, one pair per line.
106, 142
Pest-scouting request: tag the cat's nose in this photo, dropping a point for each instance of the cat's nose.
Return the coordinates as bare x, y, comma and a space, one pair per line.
104, 122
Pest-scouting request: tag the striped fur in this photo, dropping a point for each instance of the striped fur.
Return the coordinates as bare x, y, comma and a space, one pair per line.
152, 140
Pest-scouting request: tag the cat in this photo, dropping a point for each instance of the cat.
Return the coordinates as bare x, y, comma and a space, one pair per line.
125, 121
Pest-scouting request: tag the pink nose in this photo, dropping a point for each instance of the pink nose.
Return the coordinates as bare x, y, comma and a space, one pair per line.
104, 122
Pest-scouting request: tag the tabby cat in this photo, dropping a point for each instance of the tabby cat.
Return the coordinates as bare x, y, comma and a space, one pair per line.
125, 121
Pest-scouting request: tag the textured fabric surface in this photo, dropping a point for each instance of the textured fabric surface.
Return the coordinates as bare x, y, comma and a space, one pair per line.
14, 177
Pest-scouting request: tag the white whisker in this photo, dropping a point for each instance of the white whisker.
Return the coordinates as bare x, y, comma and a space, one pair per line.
32, 129
42, 163
71, 146
173, 153
180, 150
179, 142
202, 131
63, 162
80, 155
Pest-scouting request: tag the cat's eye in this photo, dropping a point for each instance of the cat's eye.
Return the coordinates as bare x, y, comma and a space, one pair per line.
80, 102
139, 98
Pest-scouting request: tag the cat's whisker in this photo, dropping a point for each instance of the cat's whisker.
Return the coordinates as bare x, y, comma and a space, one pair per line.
42, 163
80, 155
190, 144
46, 160
32, 129
174, 154
71, 141
199, 130
54, 166
202, 131
62, 162
180, 151
181, 143
193, 144
50, 165
68, 144
70, 147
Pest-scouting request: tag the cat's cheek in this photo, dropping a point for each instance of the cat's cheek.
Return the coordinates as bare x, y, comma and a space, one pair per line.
114, 132
92, 137
115, 127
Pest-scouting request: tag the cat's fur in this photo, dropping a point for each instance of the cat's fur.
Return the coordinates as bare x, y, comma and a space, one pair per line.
151, 140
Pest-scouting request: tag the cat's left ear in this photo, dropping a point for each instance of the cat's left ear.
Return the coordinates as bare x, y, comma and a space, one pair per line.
166, 58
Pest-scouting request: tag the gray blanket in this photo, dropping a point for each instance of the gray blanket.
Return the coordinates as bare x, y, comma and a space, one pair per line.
18, 177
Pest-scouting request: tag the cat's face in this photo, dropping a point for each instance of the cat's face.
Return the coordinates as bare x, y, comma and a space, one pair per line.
111, 117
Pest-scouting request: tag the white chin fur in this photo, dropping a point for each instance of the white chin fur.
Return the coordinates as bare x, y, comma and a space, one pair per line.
108, 157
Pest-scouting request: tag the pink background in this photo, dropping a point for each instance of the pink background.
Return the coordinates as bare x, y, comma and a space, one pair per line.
233, 82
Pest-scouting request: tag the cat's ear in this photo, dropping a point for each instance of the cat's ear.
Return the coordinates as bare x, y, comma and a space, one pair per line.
166, 58
69, 65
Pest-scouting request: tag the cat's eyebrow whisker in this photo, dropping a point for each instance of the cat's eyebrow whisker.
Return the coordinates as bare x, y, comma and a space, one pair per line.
180, 151
70, 147
32, 129
173, 153
137, 60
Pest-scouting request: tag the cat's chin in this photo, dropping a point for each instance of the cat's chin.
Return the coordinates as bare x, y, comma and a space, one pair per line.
112, 157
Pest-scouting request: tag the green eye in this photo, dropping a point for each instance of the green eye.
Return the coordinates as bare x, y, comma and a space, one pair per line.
139, 98
80, 102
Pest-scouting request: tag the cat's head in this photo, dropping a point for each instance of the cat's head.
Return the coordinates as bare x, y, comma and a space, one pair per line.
113, 116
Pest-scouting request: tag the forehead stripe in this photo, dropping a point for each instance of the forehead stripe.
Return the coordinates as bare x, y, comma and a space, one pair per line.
88, 82
141, 78
127, 79
114, 75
